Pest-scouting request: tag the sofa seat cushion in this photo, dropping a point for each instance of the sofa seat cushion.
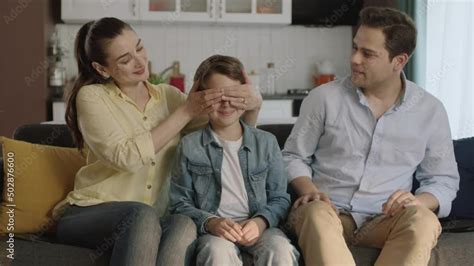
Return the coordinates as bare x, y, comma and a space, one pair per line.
50, 254
36, 178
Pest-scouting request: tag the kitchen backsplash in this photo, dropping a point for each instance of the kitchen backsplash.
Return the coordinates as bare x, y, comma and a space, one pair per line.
295, 50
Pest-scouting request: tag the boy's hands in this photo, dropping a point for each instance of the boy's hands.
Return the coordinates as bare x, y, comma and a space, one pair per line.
225, 228
252, 229
246, 233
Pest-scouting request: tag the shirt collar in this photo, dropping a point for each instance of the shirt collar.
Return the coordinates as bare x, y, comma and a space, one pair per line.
248, 141
406, 92
113, 89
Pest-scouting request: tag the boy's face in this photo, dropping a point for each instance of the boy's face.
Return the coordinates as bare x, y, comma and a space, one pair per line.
225, 115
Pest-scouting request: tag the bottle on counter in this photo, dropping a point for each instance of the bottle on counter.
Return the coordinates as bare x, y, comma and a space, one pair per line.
176, 78
57, 78
267, 81
255, 78
56, 70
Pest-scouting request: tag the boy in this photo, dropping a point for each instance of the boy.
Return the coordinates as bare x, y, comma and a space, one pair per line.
229, 179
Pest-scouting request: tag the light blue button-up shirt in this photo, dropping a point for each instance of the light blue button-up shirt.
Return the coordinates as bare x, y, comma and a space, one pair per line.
360, 161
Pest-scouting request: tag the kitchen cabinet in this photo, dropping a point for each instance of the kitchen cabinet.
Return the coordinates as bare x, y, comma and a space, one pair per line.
81, 11
59, 111
276, 110
254, 11
170, 11
217, 11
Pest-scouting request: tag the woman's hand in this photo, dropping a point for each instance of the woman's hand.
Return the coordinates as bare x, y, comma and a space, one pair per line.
202, 102
244, 96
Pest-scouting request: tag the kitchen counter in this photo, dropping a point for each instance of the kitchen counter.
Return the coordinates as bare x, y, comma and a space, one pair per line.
283, 96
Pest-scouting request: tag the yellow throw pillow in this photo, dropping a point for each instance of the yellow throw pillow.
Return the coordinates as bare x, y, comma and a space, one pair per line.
36, 178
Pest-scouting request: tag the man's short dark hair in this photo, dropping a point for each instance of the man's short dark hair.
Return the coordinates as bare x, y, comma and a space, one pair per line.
398, 28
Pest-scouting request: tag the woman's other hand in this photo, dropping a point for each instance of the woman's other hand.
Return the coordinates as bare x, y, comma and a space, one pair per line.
202, 102
244, 96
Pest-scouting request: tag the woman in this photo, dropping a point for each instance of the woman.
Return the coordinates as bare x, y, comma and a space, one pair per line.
129, 130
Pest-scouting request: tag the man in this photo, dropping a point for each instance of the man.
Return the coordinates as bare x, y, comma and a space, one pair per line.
353, 151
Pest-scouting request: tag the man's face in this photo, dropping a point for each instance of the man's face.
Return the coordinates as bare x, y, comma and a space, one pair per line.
370, 63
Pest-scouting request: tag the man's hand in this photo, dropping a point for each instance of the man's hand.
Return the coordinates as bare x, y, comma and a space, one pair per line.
399, 200
225, 228
252, 229
313, 196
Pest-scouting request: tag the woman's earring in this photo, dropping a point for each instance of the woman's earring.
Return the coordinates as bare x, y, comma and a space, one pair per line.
106, 76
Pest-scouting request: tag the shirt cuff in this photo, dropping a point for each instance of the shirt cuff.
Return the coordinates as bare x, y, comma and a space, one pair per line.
145, 147
297, 168
267, 217
444, 203
202, 228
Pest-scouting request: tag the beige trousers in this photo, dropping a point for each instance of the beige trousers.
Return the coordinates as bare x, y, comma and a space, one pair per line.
405, 239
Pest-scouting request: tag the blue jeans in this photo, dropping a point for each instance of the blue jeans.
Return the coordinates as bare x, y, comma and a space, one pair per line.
130, 231
272, 248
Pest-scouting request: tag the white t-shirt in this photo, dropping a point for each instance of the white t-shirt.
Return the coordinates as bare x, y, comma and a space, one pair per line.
234, 200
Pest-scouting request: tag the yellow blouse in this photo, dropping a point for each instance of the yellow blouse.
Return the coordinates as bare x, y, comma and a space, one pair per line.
121, 162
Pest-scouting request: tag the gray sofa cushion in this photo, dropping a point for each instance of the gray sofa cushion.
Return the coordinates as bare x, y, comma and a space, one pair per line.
42, 253
452, 249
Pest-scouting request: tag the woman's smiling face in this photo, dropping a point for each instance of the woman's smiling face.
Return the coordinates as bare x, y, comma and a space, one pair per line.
127, 61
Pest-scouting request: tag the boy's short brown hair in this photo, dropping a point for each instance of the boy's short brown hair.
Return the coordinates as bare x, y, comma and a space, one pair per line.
398, 28
221, 64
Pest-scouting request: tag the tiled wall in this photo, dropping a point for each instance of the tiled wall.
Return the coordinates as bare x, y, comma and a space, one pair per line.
295, 50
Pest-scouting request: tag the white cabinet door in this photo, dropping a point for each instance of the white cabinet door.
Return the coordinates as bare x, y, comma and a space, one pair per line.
169, 11
276, 112
254, 11
80, 11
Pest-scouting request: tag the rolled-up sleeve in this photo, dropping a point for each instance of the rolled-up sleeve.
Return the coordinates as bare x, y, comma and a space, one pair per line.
106, 138
301, 145
176, 99
438, 173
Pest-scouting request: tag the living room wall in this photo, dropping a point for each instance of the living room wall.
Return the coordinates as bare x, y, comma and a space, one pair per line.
25, 26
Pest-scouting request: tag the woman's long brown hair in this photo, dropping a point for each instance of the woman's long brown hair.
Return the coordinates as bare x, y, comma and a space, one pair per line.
90, 46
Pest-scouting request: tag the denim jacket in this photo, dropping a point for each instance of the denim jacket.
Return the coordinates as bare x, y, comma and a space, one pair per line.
196, 176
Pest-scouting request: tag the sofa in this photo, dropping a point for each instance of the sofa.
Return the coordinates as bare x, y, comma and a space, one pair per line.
455, 246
